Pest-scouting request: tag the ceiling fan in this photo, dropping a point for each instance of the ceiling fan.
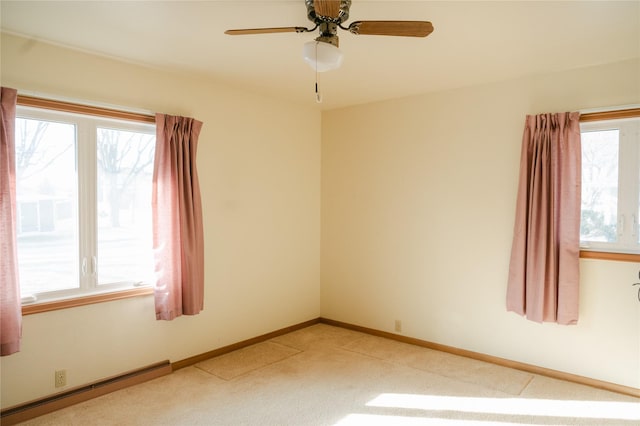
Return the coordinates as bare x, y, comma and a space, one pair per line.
328, 16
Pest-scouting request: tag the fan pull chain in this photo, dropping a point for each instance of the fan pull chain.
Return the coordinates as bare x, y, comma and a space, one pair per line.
318, 95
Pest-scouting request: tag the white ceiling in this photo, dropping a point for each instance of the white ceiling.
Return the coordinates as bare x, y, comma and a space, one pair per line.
474, 42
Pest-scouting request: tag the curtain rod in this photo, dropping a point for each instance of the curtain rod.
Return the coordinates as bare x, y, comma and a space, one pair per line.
610, 114
65, 106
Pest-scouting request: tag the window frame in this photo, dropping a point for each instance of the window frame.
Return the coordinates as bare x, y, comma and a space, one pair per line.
106, 293
609, 254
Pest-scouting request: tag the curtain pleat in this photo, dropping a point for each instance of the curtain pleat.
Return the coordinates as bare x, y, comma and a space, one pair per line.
10, 307
544, 269
177, 219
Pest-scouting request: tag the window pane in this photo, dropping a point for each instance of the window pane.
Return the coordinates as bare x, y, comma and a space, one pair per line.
125, 168
47, 200
599, 186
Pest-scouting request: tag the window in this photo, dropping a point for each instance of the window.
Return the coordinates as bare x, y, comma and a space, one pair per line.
610, 185
83, 186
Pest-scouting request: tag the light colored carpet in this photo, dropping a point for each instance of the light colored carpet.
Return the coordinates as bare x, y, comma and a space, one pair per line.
247, 359
325, 375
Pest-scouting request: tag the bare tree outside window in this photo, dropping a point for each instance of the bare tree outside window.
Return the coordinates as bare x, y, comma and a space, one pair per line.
125, 168
46, 189
122, 157
599, 186
32, 155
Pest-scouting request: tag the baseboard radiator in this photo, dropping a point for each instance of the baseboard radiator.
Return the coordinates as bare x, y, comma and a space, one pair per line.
30, 410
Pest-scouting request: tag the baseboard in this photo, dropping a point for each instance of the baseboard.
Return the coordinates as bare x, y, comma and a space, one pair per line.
555, 374
239, 345
30, 410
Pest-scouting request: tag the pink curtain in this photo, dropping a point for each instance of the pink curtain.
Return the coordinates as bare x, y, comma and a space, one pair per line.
177, 219
10, 307
544, 269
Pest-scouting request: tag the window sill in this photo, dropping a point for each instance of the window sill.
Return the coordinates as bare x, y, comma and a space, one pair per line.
603, 255
37, 308
55, 305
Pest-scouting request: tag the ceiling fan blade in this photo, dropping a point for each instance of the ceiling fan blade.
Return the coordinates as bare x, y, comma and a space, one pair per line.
267, 30
392, 28
328, 8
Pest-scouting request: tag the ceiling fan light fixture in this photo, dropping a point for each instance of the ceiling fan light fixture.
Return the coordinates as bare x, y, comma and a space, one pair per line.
322, 56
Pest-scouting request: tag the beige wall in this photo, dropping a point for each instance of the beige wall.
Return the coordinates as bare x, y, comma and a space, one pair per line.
259, 167
418, 199
417, 209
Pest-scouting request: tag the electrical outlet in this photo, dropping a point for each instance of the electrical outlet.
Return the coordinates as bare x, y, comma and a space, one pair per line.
61, 378
398, 326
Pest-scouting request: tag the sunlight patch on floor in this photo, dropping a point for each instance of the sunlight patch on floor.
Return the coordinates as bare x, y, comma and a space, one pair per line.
511, 406
385, 420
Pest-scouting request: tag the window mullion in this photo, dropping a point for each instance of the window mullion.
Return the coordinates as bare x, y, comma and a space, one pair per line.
87, 201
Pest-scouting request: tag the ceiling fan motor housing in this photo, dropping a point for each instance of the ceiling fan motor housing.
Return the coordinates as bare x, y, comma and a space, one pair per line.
317, 17
329, 33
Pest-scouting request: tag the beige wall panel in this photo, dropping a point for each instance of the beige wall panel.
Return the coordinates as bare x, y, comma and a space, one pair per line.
259, 167
418, 202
